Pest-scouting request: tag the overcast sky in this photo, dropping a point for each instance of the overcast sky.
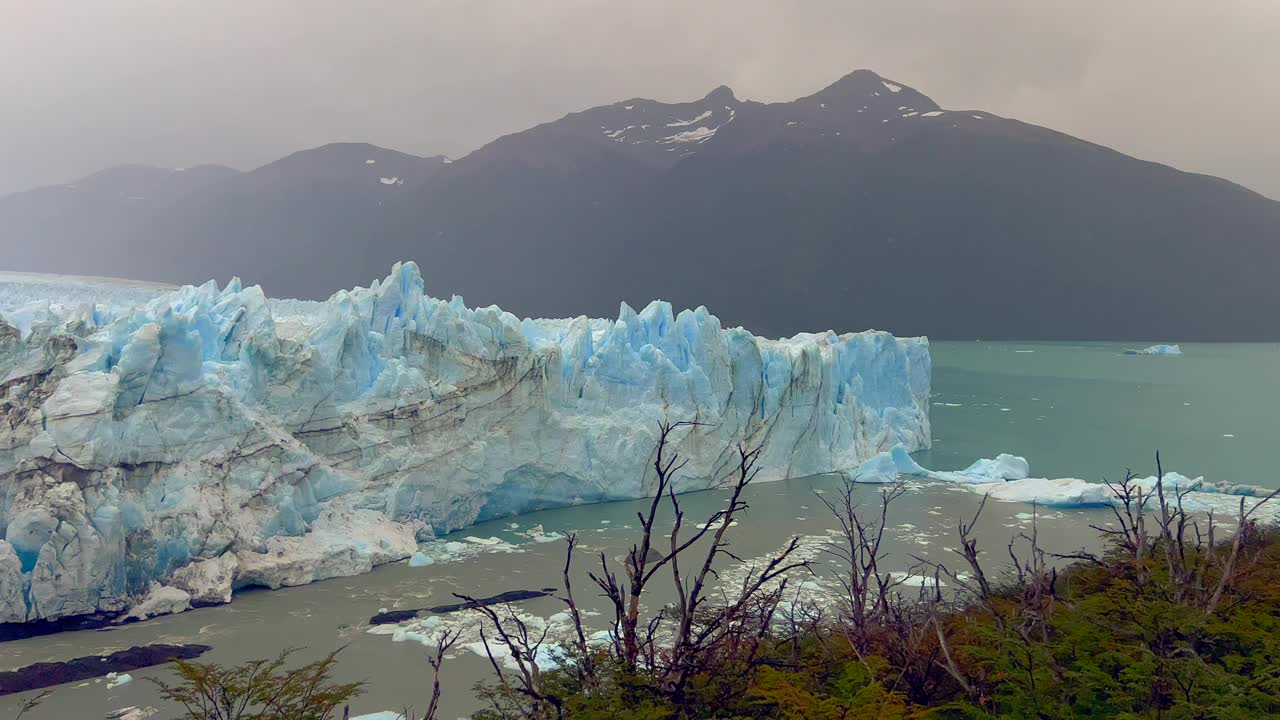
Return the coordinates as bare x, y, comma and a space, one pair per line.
86, 84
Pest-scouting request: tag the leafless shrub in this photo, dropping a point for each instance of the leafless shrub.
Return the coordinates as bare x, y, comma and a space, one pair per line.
513, 636
867, 590
1198, 572
32, 703
444, 642
878, 613
701, 630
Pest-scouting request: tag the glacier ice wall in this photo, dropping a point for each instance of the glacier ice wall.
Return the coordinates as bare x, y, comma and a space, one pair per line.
205, 438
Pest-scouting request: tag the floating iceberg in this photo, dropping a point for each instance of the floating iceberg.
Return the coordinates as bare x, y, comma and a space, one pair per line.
889, 465
167, 446
1003, 467
1156, 350
879, 469
1007, 478
1050, 492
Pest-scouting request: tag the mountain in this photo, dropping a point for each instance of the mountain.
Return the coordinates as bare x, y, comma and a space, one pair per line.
862, 205
75, 225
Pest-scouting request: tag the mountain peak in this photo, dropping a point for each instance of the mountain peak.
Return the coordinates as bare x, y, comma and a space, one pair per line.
862, 82
865, 90
722, 94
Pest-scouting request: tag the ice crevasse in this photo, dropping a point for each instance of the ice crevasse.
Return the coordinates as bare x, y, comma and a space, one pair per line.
160, 448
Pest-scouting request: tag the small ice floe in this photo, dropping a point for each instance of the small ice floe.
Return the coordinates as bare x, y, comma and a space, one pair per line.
118, 679
444, 551
538, 535
132, 712
719, 524
909, 580
547, 656
420, 559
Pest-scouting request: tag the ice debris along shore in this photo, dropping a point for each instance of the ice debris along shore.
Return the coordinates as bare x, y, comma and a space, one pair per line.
160, 448
1008, 478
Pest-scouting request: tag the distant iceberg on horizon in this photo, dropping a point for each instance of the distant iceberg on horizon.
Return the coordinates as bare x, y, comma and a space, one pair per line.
162, 447
1161, 349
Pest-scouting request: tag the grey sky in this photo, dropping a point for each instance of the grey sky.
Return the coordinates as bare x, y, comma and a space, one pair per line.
86, 84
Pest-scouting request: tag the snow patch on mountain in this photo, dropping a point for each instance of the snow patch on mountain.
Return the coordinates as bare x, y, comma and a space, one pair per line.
699, 134
680, 123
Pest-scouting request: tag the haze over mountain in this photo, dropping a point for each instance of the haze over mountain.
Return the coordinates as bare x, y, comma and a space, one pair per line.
862, 205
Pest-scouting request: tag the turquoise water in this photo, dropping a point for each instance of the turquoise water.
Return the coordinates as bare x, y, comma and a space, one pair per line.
1072, 409
1086, 410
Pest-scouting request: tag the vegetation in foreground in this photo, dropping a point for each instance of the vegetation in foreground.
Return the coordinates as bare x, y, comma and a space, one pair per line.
1178, 618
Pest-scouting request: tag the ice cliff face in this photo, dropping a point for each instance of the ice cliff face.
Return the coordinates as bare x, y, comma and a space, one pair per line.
160, 452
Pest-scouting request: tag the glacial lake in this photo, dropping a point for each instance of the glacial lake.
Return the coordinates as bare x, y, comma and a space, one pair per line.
1081, 410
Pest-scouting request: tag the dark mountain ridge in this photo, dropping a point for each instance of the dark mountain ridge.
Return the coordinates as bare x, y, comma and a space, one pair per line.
862, 205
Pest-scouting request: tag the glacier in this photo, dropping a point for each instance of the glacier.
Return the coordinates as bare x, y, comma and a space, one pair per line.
161, 447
